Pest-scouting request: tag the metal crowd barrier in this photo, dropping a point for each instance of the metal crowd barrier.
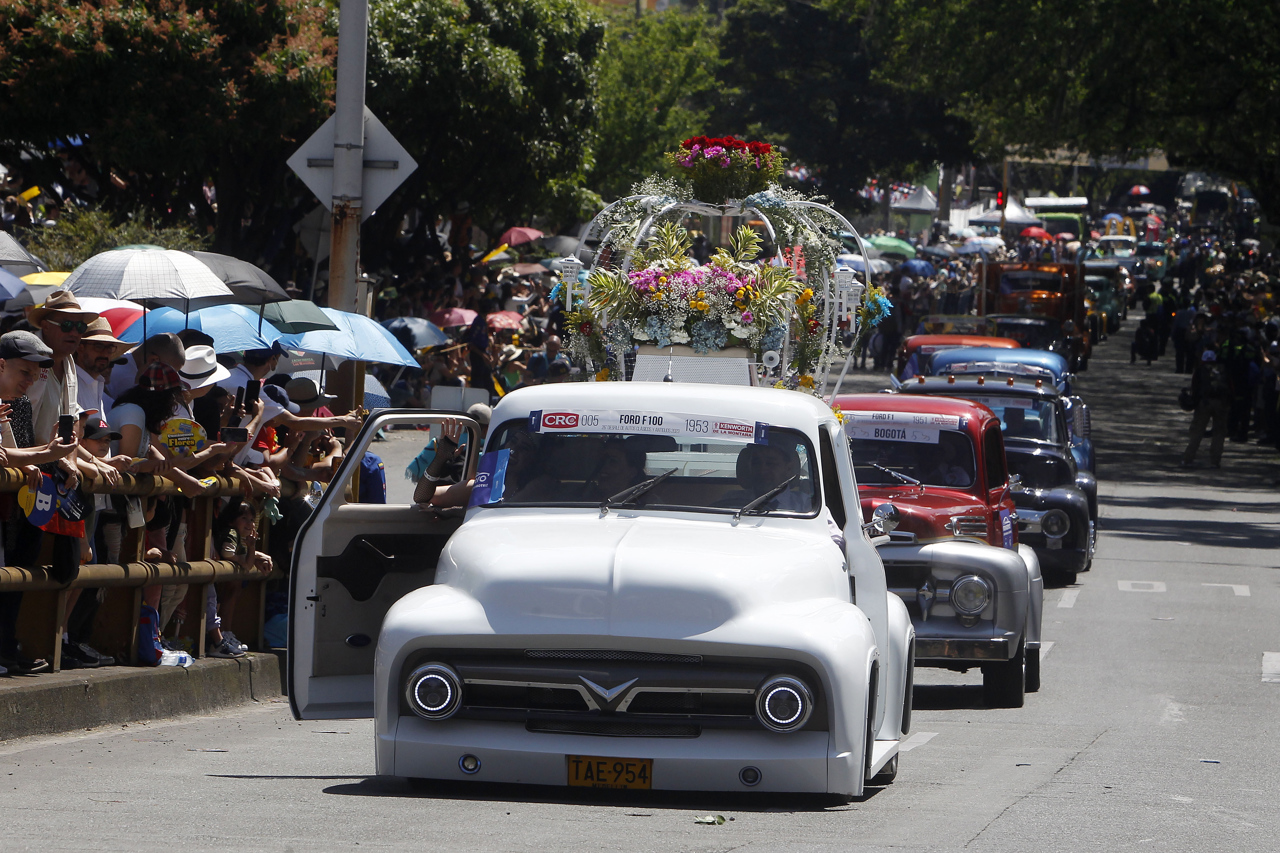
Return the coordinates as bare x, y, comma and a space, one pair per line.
115, 632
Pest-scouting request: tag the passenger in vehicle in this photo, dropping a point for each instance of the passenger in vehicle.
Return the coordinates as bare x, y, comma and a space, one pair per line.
621, 466
948, 465
761, 467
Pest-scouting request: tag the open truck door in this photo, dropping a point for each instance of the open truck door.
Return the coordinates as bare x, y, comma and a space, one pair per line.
352, 561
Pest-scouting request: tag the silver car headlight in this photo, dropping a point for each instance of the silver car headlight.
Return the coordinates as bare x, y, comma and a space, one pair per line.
1055, 523
434, 691
970, 595
784, 703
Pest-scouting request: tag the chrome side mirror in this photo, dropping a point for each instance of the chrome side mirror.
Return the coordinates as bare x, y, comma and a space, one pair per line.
1080, 421
1015, 483
884, 520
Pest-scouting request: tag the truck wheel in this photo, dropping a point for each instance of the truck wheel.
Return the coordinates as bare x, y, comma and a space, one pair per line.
1004, 684
1064, 578
1033, 670
887, 773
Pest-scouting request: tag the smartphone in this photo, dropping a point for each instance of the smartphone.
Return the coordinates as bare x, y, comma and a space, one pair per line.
233, 435
66, 427
235, 419
251, 392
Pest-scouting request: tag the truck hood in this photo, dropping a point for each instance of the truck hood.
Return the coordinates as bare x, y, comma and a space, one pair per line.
924, 513
637, 575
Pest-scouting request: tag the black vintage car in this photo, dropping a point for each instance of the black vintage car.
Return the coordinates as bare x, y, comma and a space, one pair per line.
1057, 501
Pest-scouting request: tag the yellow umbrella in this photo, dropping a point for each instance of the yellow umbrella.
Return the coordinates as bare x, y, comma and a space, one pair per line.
46, 279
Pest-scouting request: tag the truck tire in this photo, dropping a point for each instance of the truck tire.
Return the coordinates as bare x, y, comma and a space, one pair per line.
887, 773
1004, 684
1033, 670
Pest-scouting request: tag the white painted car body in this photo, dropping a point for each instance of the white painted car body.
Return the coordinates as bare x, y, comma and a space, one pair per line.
749, 595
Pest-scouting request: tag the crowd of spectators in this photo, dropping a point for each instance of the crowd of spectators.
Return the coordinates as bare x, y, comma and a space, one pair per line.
79, 406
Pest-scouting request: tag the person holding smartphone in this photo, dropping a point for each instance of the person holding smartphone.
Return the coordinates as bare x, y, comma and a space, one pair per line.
61, 323
22, 356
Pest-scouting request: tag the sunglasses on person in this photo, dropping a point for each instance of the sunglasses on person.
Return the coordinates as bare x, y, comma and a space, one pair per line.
70, 325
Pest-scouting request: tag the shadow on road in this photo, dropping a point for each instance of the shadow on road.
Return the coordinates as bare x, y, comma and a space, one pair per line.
948, 697
1140, 432
1219, 534
379, 786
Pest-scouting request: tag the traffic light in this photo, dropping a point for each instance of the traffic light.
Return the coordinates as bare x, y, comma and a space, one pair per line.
999, 199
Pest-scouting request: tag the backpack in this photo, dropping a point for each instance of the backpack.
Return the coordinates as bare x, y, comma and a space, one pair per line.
1216, 385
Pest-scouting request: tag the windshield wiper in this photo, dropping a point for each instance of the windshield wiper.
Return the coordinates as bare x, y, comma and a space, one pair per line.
767, 496
901, 476
630, 493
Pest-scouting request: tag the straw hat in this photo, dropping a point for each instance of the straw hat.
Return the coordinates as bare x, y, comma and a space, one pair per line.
100, 332
201, 368
64, 304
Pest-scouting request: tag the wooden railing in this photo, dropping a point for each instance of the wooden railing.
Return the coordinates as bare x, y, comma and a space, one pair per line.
41, 619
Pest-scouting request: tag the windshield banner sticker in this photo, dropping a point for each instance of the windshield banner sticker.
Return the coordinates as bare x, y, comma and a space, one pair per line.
652, 423
902, 419
490, 479
892, 432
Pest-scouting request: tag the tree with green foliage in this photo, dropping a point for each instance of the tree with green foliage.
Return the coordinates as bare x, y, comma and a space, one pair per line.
495, 99
657, 87
82, 233
808, 78
167, 95
1099, 77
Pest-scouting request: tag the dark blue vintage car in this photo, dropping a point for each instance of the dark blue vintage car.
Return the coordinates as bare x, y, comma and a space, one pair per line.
1057, 501
1050, 367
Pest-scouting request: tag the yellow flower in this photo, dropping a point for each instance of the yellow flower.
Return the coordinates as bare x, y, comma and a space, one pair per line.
662, 279
603, 375
806, 381
805, 296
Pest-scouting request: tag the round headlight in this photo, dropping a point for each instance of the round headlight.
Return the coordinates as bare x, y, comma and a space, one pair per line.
970, 595
434, 691
1055, 523
784, 703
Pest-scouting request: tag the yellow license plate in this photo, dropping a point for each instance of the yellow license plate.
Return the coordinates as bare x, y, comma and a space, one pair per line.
589, 771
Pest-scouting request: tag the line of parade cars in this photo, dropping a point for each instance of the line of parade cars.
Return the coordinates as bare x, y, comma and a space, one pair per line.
698, 587
985, 455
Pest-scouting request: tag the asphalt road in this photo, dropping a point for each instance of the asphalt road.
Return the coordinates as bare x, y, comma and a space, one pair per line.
1156, 727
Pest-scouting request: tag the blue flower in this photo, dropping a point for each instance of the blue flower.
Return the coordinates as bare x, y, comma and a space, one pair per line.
657, 331
557, 290
772, 339
708, 336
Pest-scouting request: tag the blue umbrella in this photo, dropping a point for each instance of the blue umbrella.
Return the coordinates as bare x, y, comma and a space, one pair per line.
10, 285
233, 328
356, 338
415, 332
917, 267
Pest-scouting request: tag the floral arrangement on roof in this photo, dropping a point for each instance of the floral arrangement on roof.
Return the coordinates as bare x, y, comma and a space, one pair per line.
732, 301
724, 167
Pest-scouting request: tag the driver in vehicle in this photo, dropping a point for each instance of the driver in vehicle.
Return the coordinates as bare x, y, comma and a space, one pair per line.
947, 465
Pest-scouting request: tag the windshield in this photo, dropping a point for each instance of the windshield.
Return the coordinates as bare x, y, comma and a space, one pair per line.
1148, 250
557, 466
1028, 335
1117, 248
1023, 282
1022, 417
934, 457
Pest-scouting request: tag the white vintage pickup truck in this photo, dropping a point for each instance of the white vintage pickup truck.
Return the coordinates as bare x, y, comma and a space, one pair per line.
656, 585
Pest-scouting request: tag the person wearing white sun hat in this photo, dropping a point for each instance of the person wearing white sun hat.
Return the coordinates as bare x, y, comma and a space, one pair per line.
200, 372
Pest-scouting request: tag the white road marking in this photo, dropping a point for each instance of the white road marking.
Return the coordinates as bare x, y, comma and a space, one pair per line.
917, 739
1141, 586
1069, 597
1173, 712
1045, 646
1240, 589
1271, 667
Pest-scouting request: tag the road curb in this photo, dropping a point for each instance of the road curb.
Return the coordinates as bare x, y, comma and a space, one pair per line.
51, 703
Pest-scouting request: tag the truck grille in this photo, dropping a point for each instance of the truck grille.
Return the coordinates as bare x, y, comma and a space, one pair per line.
617, 693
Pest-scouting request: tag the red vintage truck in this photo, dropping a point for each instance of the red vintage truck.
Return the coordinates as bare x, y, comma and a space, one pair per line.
975, 596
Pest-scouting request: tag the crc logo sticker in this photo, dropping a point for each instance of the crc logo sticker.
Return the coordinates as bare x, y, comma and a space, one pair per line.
559, 420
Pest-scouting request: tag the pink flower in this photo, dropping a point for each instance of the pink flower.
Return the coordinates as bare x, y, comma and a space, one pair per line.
748, 317
724, 164
687, 161
713, 151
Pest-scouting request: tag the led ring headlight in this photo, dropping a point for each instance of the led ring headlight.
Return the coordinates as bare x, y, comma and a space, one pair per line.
783, 704
970, 595
434, 691
1055, 523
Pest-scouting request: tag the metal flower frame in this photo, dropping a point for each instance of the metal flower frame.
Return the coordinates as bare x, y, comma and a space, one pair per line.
837, 291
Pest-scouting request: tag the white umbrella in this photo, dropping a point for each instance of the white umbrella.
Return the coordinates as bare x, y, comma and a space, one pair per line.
158, 276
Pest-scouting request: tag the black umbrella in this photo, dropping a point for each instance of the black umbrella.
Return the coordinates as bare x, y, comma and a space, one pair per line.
253, 285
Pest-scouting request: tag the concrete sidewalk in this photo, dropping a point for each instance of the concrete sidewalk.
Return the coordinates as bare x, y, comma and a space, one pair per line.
50, 703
